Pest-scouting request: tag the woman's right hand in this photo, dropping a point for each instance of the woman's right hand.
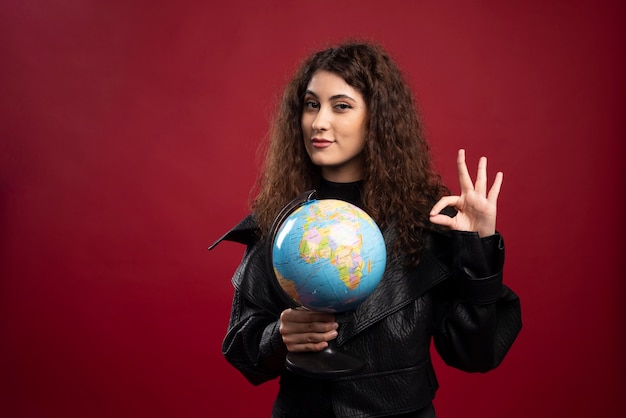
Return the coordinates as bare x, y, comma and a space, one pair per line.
304, 330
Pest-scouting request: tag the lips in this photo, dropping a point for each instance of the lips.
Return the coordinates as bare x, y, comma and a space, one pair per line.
321, 142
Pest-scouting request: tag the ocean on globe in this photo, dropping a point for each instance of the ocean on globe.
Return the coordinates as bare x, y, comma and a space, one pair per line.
329, 255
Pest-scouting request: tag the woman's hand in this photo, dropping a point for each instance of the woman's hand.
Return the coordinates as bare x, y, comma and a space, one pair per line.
476, 208
304, 330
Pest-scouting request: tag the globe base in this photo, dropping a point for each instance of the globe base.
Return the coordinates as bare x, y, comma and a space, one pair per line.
328, 363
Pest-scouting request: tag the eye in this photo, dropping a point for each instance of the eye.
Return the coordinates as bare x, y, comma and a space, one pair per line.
311, 105
343, 106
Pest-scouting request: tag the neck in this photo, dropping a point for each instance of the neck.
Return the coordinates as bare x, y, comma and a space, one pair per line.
348, 191
348, 172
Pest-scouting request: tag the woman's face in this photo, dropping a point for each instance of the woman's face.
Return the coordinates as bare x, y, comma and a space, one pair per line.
334, 127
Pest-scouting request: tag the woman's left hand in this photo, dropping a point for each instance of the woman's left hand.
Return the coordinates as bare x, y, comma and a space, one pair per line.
476, 209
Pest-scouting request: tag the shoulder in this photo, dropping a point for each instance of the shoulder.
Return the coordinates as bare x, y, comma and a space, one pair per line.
246, 232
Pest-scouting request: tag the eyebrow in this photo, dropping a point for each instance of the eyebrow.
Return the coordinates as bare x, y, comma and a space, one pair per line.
335, 97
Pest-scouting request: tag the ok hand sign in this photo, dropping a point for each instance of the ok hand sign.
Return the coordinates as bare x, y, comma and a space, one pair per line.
476, 209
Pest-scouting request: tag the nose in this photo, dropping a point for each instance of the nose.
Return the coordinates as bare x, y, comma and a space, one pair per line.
321, 122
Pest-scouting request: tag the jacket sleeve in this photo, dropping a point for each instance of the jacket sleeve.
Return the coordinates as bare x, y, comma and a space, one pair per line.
477, 317
253, 343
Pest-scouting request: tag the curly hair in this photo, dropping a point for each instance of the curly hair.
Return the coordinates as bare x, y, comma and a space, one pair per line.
399, 184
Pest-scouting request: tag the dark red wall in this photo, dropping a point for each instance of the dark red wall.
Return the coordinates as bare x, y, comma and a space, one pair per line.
128, 141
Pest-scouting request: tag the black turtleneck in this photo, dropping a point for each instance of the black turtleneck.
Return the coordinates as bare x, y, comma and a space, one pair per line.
350, 192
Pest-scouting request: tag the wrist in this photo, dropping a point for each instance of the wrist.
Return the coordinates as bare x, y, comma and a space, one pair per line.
484, 233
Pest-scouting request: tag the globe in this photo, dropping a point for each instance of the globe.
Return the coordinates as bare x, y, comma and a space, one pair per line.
328, 255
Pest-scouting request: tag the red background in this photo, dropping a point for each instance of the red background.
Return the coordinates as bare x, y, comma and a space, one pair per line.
128, 136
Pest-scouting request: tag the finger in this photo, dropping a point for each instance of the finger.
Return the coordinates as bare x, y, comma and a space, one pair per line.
309, 337
495, 188
443, 203
291, 323
442, 220
464, 177
288, 328
302, 315
481, 177
299, 348
308, 341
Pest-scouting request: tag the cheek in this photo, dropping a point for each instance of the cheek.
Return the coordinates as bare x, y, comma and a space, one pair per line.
358, 131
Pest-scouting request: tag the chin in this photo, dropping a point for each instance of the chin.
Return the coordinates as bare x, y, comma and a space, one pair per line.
322, 162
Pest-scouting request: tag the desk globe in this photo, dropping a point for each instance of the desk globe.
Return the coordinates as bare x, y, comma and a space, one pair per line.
328, 255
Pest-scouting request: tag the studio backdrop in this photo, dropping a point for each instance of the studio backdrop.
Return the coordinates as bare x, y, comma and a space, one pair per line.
129, 142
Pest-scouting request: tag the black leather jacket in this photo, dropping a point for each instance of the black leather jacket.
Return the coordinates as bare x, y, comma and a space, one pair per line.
455, 295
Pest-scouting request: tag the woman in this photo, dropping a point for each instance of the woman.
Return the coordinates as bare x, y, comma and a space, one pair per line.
347, 127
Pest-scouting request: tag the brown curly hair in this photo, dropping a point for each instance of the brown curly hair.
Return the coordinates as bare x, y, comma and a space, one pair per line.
399, 183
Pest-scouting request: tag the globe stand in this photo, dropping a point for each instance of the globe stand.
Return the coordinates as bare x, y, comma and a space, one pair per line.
328, 363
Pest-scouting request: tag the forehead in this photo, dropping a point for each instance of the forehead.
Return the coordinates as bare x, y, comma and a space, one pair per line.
326, 83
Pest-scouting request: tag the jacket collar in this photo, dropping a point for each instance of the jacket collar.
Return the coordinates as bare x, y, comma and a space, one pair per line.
245, 232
